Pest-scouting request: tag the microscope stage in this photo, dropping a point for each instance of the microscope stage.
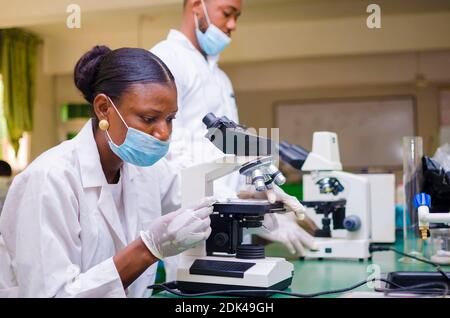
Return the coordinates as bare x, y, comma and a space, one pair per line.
245, 206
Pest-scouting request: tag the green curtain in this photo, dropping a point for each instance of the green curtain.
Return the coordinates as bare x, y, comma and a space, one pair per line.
18, 61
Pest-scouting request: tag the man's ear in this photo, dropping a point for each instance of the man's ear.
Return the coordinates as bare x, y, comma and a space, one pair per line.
196, 6
101, 106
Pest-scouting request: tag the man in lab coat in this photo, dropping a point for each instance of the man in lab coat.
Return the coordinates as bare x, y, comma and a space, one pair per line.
202, 86
192, 54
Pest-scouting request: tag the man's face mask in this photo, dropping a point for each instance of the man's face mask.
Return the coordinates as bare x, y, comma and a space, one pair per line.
213, 41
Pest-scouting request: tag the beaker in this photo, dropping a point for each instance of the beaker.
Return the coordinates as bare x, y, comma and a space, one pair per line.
439, 246
412, 185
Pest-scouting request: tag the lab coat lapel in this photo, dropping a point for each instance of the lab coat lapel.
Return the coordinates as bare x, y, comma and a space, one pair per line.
90, 167
93, 177
108, 209
131, 199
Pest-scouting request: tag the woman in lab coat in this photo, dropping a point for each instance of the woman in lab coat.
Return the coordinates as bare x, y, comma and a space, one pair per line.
85, 218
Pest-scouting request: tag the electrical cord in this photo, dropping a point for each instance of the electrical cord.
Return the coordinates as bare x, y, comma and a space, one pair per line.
378, 248
172, 286
253, 291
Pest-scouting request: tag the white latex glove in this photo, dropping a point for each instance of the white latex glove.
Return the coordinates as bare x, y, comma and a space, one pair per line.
290, 234
269, 224
276, 194
286, 229
178, 231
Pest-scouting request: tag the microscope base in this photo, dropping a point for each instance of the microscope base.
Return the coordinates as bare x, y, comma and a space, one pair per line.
211, 273
336, 248
192, 288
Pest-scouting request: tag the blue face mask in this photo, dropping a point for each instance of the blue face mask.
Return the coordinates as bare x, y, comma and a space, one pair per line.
213, 41
138, 148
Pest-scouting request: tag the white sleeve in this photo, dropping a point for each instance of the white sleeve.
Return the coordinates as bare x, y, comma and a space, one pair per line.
180, 154
42, 233
7, 277
170, 186
188, 147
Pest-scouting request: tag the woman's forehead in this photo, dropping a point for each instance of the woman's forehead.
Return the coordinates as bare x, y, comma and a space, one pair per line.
159, 97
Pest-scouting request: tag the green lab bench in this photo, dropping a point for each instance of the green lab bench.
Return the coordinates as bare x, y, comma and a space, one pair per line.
311, 276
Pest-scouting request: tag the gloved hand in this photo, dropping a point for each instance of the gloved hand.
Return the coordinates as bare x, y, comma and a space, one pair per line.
287, 231
178, 231
273, 195
290, 234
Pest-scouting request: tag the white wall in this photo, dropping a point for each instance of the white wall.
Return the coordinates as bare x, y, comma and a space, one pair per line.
373, 69
283, 50
259, 86
43, 135
268, 30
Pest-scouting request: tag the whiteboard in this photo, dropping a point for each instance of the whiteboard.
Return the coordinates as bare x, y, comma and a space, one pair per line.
370, 131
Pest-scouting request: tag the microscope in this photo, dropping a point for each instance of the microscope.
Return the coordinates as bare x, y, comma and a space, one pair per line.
353, 210
337, 200
223, 262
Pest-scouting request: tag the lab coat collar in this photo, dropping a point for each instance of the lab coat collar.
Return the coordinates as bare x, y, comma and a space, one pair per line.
92, 174
108, 209
177, 36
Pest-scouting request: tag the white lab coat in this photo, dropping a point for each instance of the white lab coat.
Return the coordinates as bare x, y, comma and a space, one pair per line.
202, 88
61, 228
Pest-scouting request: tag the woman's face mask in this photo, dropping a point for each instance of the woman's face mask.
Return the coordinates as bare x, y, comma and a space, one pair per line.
138, 148
213, 41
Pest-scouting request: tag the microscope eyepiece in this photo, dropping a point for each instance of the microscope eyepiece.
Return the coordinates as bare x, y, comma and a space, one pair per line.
210, 120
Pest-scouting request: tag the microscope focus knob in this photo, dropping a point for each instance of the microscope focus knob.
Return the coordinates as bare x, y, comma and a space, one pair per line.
352, 223
250, 251
221, 239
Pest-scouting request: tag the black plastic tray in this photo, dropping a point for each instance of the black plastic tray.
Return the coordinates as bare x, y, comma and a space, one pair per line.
408, 279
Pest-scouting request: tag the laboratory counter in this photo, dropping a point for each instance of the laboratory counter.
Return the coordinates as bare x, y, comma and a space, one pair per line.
313, 276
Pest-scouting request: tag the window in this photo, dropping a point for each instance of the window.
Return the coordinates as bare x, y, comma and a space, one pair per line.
73, 117
20, 161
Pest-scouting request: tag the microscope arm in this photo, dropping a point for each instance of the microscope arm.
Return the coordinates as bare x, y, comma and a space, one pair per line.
224, 133
293, 155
